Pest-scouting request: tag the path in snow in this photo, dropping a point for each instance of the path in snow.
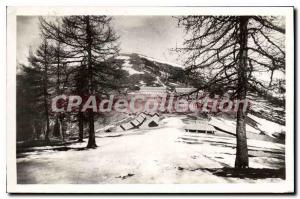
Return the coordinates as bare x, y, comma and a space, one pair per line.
165, 154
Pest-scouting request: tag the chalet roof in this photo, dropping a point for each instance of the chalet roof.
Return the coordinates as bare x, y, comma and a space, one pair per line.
202, 126
152, 88
154, 91
184, 90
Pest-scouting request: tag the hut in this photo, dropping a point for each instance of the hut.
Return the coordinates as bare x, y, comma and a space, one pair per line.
152, 121
200, 127
143, 120
133, 124
153, 91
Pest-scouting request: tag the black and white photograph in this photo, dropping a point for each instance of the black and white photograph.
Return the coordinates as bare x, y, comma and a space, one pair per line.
150, 100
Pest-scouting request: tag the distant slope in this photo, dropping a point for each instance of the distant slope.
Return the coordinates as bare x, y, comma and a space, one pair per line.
146, 71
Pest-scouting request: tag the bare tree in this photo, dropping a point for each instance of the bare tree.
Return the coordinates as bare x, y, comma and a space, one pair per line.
92, 41
60, 69
229, 53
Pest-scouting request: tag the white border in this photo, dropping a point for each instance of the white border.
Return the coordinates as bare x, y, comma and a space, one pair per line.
13, 187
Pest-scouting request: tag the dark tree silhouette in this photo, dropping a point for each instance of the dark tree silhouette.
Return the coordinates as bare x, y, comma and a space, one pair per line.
60, 73
229, 53
30, 108
92, 42
40, 62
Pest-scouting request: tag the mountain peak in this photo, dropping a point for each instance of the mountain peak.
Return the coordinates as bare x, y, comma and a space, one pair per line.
150, 59
147, 71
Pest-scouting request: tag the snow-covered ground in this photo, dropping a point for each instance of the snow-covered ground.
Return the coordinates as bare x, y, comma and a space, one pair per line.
268, 127
164, 154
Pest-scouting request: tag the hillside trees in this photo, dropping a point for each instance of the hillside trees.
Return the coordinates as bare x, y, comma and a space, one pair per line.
237, 54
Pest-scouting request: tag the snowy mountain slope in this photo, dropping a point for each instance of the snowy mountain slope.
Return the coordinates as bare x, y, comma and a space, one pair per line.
146, 71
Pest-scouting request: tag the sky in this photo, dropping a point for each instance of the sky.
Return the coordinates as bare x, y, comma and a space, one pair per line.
153, 36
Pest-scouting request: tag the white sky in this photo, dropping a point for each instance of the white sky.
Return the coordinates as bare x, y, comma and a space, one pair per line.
152, 36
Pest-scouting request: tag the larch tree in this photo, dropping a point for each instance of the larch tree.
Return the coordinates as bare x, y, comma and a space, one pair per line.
60, 69
92, 42
230, 53
44, 75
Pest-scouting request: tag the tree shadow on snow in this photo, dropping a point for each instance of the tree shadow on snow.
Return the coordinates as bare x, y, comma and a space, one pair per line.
25, 153
250, 173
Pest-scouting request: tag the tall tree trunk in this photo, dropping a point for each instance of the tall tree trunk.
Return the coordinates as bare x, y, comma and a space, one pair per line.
45, 92
62, 127
80, 88
242, 160
47, 140
92, 141
80, 125
56, 128
59, 117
